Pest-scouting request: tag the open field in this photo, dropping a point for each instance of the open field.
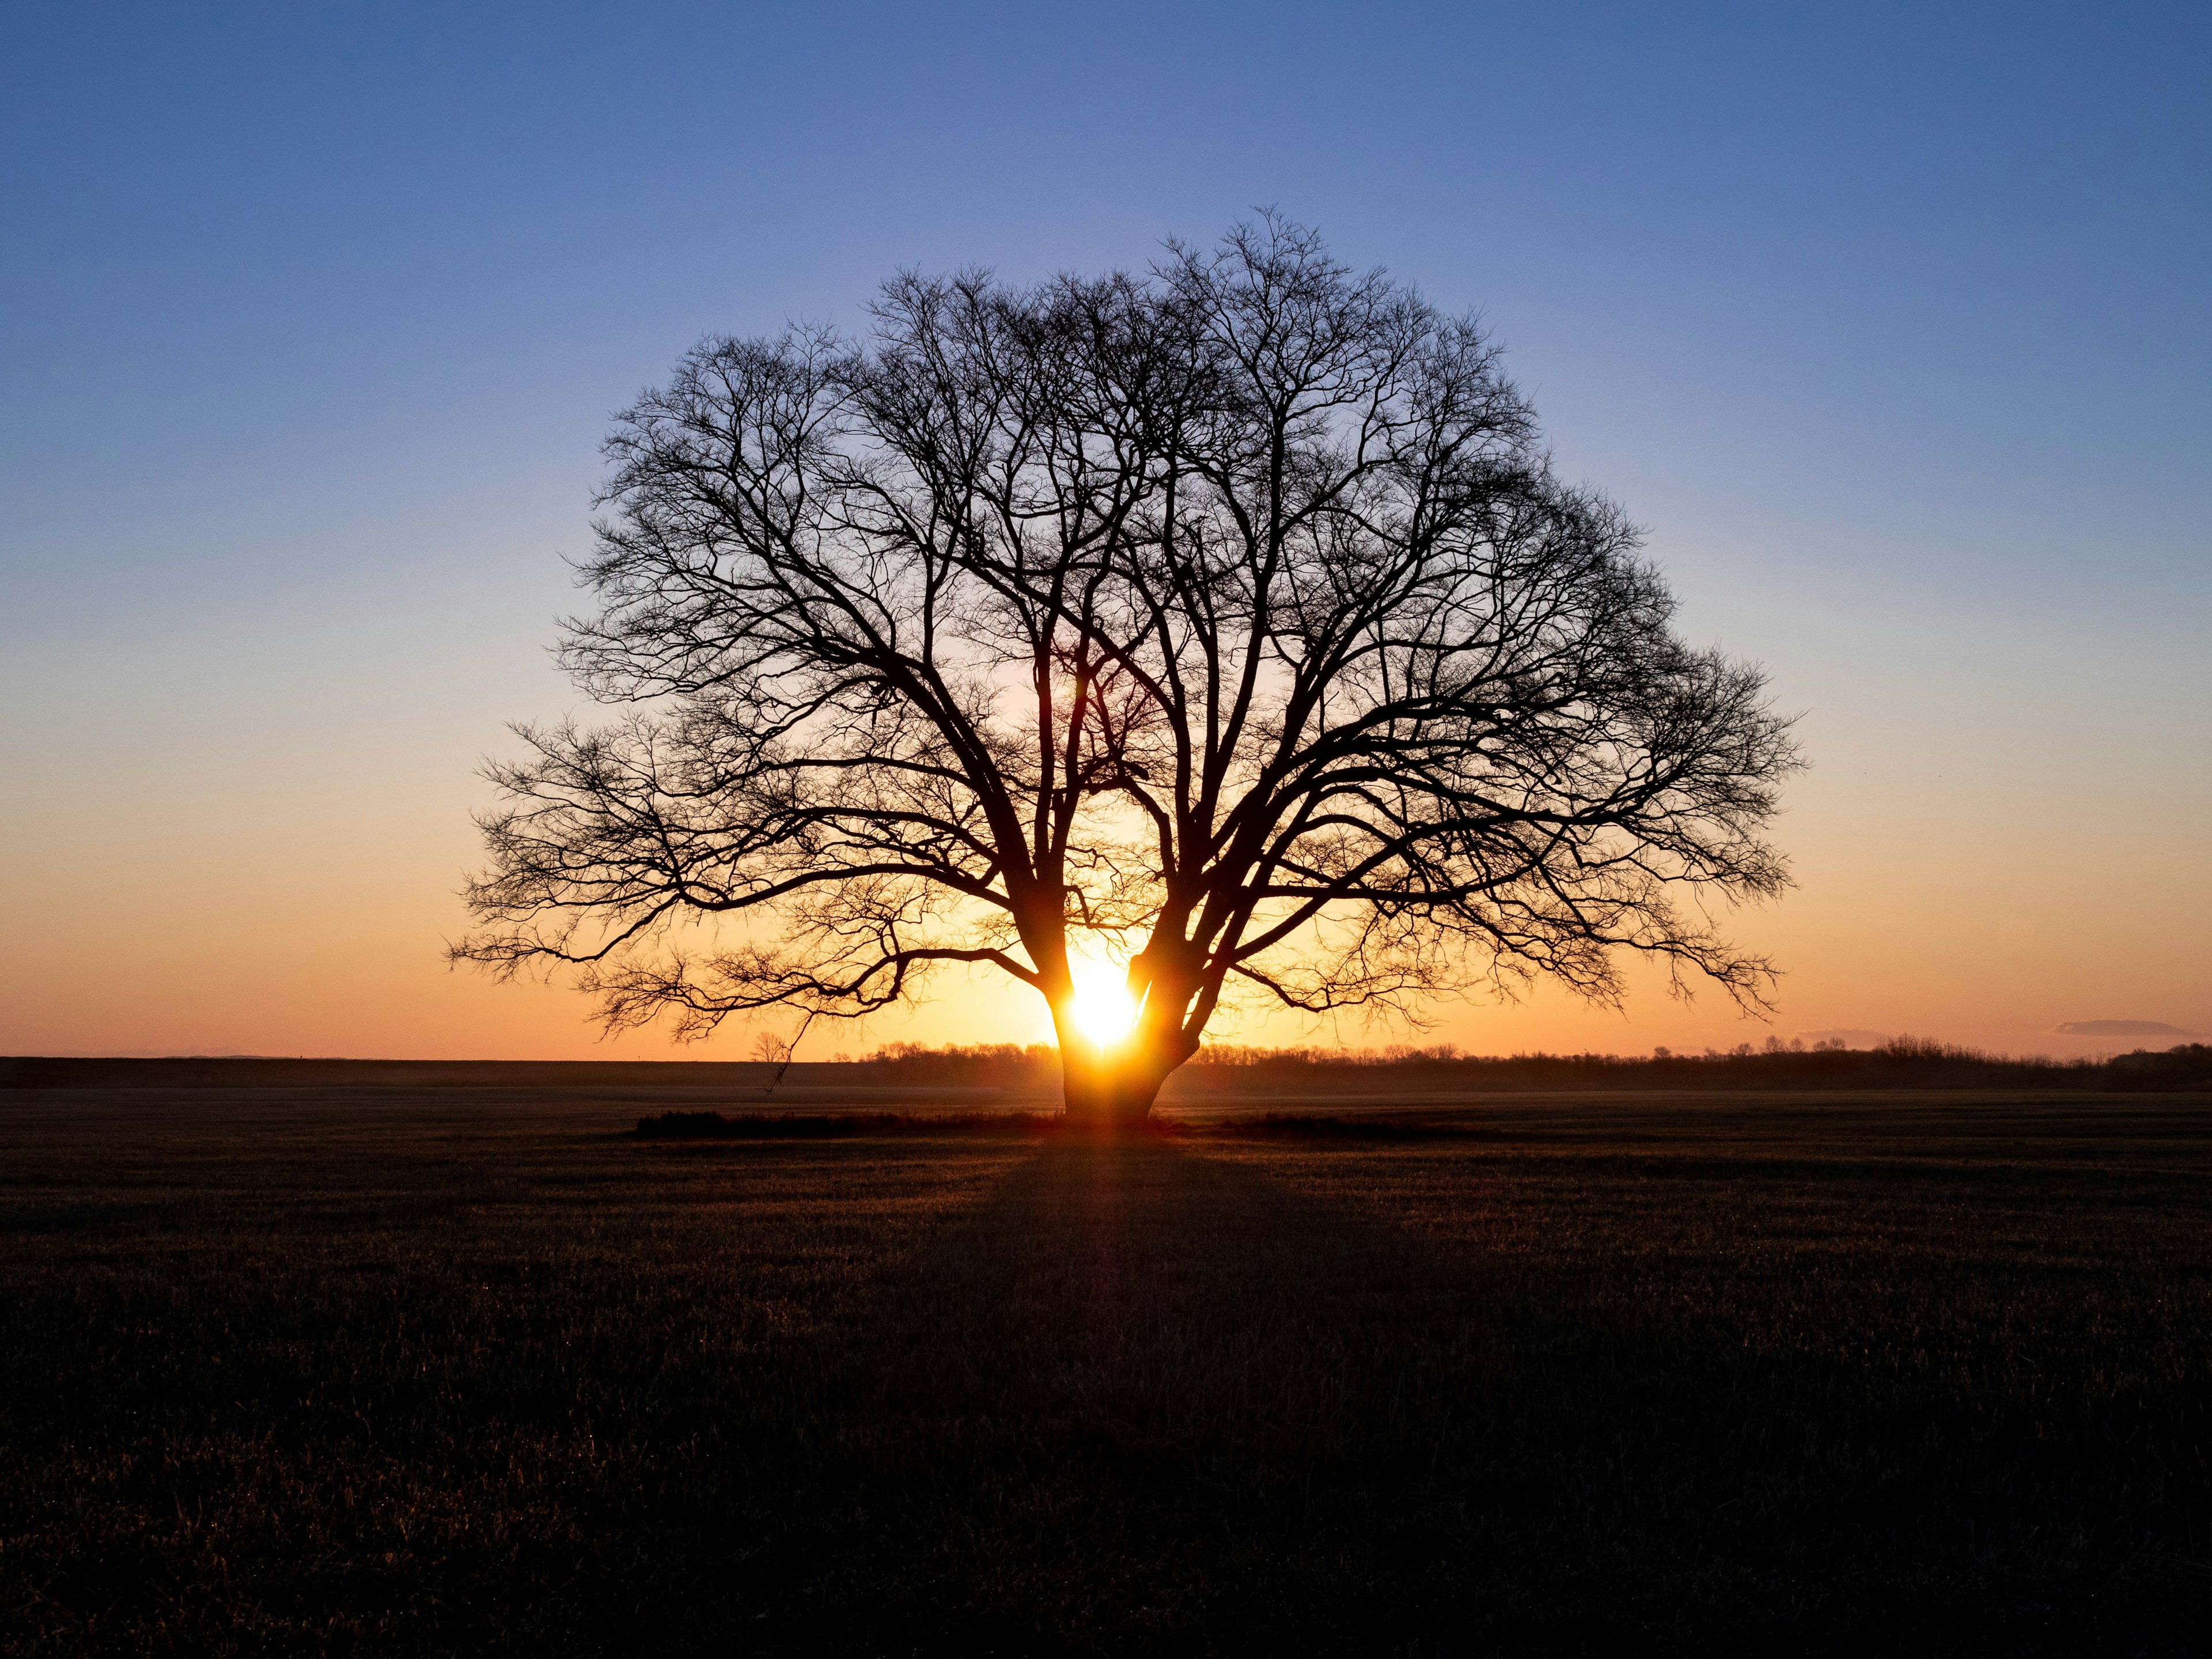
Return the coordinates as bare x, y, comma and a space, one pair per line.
425, 1367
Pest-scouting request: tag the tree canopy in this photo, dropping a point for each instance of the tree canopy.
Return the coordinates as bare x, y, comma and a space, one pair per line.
1230, 614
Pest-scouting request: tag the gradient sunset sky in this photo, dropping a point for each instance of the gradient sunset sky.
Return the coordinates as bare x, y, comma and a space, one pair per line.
1890, 323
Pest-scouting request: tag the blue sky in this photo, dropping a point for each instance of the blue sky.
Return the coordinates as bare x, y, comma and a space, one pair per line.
1889, 322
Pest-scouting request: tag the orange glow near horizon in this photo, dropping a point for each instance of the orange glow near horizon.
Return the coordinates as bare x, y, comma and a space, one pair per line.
199, 928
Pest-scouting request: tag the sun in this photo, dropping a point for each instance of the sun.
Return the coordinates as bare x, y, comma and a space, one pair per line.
1103, 1011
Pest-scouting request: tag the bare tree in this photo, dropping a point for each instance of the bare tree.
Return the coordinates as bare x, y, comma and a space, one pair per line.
1230, 617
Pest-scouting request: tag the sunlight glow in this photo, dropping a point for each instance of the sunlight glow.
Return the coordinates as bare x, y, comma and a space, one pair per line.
1102, 1010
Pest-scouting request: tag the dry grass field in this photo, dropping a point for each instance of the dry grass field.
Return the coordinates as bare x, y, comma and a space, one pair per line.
441, 1369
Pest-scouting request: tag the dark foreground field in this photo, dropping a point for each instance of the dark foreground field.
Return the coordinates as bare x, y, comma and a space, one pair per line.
405, 1370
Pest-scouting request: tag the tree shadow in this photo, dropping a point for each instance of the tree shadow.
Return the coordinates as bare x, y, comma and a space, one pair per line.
1147, 1395
1140, 1395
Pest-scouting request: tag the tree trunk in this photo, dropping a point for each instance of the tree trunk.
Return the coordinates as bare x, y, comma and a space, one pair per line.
1113, 1089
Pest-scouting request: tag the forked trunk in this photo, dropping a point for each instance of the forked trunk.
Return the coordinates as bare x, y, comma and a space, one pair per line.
1113, 1088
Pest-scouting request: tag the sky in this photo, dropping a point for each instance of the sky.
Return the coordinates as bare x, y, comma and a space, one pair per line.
1888, 322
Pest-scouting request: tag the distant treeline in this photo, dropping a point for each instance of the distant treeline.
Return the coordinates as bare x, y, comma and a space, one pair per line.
908, 1071
1228, 1069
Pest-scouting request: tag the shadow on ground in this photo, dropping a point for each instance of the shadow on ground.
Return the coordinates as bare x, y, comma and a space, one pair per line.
1141, 1395
425, 1376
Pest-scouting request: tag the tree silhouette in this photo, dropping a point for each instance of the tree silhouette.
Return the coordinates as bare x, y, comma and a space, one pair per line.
1230, 617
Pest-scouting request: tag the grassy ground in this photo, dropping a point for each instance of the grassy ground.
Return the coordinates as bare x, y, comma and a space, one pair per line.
400, 1371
